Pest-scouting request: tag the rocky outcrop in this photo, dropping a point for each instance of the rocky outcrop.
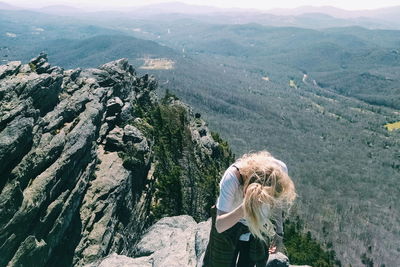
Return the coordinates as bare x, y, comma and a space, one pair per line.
175, 242
77, 172
172, 241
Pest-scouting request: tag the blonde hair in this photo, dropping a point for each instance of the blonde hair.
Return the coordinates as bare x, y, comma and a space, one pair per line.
267, 187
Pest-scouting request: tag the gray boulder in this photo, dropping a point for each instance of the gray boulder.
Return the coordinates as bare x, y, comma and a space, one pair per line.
114, 140
39, 64
114, 106
132, 134
175, 242
278, 260
172, 241
122, 261
9, 69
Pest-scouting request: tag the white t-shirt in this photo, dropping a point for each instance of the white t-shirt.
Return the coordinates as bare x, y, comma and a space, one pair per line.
231, 194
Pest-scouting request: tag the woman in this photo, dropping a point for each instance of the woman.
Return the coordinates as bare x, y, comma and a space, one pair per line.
254, 192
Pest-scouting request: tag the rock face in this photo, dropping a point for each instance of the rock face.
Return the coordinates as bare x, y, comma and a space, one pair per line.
172, 241
71, 189
175, 242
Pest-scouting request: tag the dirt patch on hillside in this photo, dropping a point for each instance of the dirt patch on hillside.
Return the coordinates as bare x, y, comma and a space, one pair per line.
157, 64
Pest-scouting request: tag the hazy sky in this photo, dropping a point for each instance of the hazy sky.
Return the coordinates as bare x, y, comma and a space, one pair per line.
258, 4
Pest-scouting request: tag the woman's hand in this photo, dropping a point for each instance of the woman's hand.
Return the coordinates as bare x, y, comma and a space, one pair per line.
272, 249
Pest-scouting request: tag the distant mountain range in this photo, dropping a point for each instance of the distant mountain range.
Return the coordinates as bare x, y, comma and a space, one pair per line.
381, 16
316, 98
336, 12
61, 9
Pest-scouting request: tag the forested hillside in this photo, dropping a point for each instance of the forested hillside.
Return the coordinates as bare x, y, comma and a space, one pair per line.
317, 99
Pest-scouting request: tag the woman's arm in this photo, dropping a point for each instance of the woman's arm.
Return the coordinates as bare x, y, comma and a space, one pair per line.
277, 243
224, 220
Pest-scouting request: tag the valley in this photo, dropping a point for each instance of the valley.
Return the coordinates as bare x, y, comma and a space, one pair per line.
325, 101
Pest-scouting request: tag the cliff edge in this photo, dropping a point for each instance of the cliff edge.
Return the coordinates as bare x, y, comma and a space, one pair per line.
91, 157
174, 242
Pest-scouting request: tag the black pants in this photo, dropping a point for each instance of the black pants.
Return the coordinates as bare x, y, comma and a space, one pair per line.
242, 256
224, 248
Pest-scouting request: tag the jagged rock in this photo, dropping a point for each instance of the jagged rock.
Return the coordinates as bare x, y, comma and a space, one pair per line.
122, 261
31, 244
142, 146
159, 235
15, 141
202, 136
278, 260
202, 132
73, 74
132, 134
114, 139
39, 64
9, 69
199, 129
49, 154
104, 196
111, 120
126, 112
175, 242
202, 236
170, 242
103, 131
41, 90
114, 106
209, 143
25, 69
119, 67
67, 193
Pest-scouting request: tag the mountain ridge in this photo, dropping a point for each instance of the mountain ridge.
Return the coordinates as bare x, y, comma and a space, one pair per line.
90, 157
334, 144
384, 14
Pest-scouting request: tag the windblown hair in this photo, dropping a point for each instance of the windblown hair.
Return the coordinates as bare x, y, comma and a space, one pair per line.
267, 188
